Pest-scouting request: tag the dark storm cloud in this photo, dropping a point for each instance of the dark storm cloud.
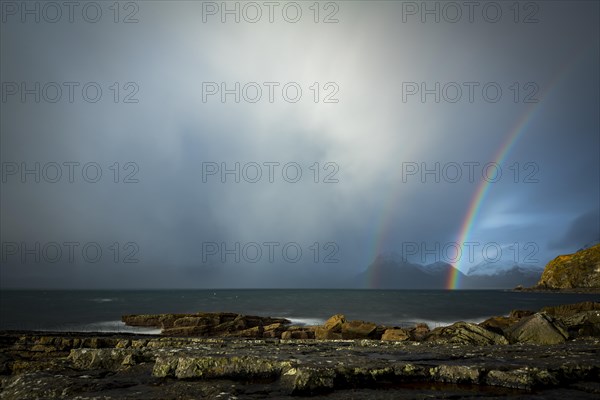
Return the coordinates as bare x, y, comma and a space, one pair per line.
584, 230
368, 136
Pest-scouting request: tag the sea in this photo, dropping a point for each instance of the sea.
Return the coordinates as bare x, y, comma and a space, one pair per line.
101, 310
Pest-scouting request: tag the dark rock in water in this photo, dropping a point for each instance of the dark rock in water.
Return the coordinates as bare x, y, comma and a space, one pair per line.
539, 328
577, 270
156, 321
207, 324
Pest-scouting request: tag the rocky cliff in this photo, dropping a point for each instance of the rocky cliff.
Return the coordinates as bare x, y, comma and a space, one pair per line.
572, 271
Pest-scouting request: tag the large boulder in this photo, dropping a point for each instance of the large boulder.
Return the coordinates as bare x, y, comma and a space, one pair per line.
502, 323
396, 334
498, 324
254, 332
571, 271
298, 334
273, 330
518, 314
539, 328
359, 330
466, 333
567, 310
334, 323
322, 333
419, 332
331, 329
586, 323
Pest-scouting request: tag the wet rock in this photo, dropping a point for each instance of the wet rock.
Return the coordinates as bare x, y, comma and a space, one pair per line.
239, 368
539, 328
38, 385
521, 378
164, 367
109, 359
456, 374
307, 380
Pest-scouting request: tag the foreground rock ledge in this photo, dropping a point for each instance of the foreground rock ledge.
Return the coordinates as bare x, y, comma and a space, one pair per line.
84, 366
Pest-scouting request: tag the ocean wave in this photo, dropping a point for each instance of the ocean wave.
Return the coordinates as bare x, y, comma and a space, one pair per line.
404, 322
102, 300
438, 323
306, 321
109, 327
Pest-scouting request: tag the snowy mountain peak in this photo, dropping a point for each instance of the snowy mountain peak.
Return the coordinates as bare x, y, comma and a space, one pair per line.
436, 267
502, 267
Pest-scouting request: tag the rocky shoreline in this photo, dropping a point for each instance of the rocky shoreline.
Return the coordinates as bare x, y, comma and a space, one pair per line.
537, 289
553, 353
550, 325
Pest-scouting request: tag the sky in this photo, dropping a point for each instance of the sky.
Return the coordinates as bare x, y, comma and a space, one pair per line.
183, 144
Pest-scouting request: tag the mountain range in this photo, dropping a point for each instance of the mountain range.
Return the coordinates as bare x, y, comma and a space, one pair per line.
393, 272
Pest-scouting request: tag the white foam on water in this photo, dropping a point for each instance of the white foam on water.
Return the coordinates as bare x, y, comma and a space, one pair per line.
110, 327
436, 323
306, 321
406, 323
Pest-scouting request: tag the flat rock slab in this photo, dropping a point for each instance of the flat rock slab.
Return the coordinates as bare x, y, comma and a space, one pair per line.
87, 366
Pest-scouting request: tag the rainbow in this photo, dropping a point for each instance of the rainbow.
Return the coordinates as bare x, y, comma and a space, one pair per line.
382, 221
484, 188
